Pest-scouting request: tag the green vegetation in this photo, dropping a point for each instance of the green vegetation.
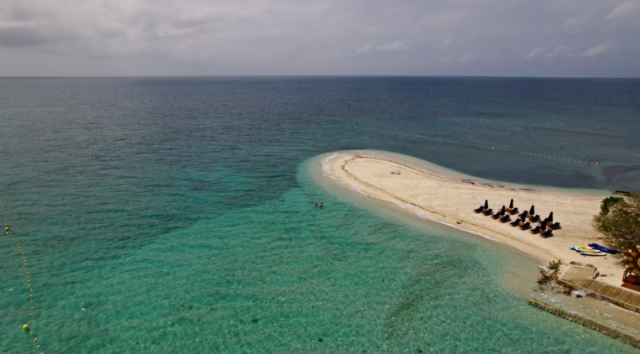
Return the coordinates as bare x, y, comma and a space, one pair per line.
607, 202
619, 221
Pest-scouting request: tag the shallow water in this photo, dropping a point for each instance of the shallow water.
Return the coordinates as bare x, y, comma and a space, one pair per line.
197, 233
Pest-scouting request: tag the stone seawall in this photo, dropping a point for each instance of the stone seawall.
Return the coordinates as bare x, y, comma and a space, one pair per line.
613, 333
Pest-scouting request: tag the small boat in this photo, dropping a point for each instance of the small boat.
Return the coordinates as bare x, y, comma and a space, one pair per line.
593, 254
598, 247
586, 251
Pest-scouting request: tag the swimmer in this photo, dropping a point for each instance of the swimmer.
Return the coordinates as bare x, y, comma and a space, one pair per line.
320, 206
316, 205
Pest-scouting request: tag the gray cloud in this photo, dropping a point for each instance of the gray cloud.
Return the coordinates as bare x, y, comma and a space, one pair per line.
21, 36
404, 37
387, 47
597, 50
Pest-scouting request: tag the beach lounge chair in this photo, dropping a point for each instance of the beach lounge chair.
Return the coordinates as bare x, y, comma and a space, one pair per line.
511, 210
536, 230
546, 234
543, 228
505, 218
555, 226
524, 214
482, 207
487, 212
517, 222
525, 226
534, 218
500, 213
543, 222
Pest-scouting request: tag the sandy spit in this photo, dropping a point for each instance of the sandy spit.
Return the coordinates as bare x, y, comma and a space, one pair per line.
443, 196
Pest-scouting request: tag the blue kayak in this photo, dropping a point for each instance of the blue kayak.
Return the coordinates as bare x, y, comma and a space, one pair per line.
603, 249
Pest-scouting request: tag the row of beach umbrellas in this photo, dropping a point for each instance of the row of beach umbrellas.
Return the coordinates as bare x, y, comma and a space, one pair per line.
524, 219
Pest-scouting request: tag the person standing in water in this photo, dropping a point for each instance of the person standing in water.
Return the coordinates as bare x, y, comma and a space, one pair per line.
320, 206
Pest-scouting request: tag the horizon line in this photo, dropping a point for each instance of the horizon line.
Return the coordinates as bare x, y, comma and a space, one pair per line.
328, 75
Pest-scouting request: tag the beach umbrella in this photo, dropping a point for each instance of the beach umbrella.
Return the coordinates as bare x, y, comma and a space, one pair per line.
543, 227
511, 204
550, 218
503, 210
486, 204
532, 211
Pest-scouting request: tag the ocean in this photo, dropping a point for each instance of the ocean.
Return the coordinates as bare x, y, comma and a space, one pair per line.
173, 215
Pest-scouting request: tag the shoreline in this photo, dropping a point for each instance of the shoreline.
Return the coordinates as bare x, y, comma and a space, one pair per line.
447, 197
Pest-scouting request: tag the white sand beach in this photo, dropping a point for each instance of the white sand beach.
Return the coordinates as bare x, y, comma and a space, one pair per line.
450, 198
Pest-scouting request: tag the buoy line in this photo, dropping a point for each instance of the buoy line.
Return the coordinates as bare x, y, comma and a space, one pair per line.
313, 126
27, 326
479, 146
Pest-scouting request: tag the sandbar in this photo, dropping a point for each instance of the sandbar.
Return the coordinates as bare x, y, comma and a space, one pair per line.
449, 198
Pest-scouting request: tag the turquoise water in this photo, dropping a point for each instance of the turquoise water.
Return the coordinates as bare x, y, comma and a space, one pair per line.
197, 233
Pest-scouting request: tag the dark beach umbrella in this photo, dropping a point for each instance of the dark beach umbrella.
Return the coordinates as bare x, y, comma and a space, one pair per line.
543, 226
550, 218
486, 204
511, 204
532, 211
503, 210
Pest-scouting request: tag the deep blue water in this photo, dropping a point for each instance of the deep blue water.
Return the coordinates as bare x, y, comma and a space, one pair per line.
191, 230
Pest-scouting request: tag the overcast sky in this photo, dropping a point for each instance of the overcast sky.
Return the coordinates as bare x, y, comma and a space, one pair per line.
584, 38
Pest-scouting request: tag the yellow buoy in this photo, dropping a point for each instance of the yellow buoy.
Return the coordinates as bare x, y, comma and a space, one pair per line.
6, 229
25, 327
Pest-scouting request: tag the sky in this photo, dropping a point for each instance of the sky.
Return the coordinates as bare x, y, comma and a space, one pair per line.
539, 38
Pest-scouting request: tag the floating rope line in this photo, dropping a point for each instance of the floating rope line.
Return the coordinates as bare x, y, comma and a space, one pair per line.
479, 146
26, 327
126, 145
